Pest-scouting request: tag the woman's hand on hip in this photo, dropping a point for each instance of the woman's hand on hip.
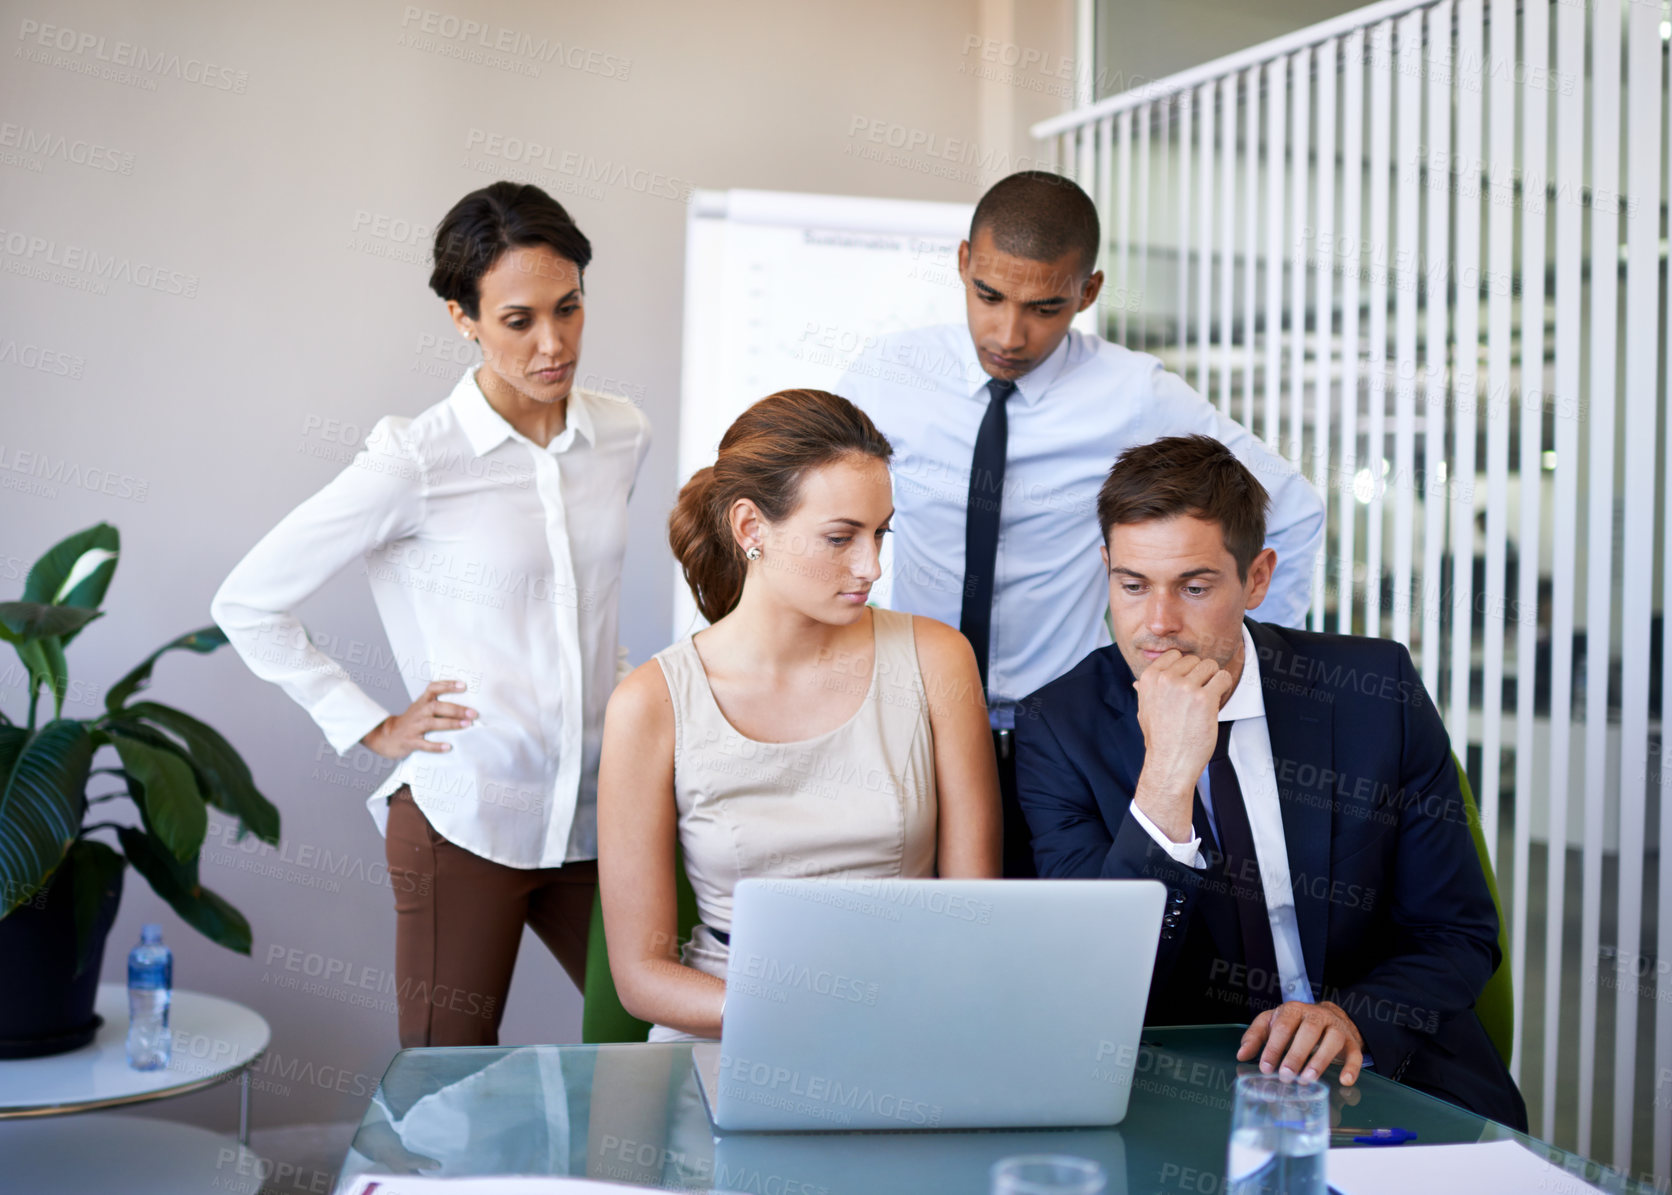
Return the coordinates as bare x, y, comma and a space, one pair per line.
399, 735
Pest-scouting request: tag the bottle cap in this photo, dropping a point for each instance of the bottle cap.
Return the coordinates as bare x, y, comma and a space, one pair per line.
151, 934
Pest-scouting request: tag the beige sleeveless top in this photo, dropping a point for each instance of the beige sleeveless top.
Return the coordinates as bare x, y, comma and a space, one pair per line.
856, 801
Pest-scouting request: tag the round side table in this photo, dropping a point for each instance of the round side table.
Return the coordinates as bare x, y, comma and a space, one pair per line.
214, 1039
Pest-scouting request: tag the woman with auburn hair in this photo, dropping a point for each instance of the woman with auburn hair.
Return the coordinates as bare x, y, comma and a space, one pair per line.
709, 744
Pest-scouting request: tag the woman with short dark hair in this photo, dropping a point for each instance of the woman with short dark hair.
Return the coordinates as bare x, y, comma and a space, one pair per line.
804, 733
492, 528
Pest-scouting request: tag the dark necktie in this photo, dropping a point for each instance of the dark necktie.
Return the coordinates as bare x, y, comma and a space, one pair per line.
981, 523
1241, 870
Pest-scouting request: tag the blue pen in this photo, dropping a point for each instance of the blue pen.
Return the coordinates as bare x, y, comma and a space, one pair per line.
1388, 1136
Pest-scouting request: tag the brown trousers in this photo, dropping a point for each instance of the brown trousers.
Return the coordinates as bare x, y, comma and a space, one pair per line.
458, 923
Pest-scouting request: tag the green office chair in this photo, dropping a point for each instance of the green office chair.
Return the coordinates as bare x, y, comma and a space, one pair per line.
1496, 1006
603, 1019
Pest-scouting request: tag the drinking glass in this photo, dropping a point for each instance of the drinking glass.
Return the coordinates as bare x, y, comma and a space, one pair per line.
1047, 1174
1279, 1137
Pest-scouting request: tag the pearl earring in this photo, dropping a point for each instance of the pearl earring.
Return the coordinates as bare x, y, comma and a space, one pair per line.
753, 552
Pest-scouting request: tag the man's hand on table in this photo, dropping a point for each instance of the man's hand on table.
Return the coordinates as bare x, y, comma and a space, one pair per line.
1300, 1040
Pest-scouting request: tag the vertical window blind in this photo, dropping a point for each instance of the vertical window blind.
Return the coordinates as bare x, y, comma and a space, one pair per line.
1420, 250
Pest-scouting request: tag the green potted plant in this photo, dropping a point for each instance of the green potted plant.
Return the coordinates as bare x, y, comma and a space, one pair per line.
60, 885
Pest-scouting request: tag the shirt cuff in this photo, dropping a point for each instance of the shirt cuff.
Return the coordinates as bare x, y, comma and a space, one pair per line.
1188, 853
347, 715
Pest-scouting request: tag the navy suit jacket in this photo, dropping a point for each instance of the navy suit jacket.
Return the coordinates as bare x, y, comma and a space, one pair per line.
1396, 922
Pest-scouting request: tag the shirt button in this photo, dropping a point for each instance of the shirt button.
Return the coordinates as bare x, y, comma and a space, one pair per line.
1178, 896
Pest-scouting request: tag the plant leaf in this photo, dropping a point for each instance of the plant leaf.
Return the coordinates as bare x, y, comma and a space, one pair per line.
176, 883
203, 641
39, 633
226, 778
90, 576
22, 621
155, 738
173, 804
43, 781
57, 671
44, 658
76, 570
95, 869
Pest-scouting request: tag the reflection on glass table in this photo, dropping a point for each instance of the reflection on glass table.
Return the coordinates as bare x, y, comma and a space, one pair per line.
633, 1114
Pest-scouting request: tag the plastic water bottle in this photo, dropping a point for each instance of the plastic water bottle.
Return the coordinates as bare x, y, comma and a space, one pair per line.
150, 984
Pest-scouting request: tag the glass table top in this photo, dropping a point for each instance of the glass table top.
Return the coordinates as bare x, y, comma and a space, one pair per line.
633, 1114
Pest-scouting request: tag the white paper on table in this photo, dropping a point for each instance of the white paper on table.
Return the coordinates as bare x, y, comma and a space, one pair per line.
1482, 1168
406, 1184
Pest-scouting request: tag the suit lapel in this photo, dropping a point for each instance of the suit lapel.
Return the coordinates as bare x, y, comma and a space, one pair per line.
1300, 724
1118, 693
1124, 738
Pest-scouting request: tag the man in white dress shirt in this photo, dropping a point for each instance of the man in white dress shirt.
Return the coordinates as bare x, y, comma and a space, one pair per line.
1295, 791
1002, 432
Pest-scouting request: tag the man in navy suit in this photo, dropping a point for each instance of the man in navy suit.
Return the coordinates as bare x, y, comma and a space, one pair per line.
1294, 791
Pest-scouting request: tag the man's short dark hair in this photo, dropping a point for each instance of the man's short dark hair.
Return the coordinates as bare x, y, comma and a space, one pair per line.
1040, 216
1187, 475
483, 225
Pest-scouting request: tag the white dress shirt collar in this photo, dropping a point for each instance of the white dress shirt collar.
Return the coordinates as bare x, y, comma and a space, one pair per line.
1246, 700
1031, 386
487, 429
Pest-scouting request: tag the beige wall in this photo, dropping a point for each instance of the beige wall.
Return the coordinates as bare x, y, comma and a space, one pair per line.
268, 303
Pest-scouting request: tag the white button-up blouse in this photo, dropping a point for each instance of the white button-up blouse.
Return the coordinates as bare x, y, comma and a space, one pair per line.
492, 561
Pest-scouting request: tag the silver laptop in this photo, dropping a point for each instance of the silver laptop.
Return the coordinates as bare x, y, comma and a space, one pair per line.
931, 1004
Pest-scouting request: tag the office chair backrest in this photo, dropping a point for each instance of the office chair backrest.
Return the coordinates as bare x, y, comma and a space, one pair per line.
1496, 1006
603, 1019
